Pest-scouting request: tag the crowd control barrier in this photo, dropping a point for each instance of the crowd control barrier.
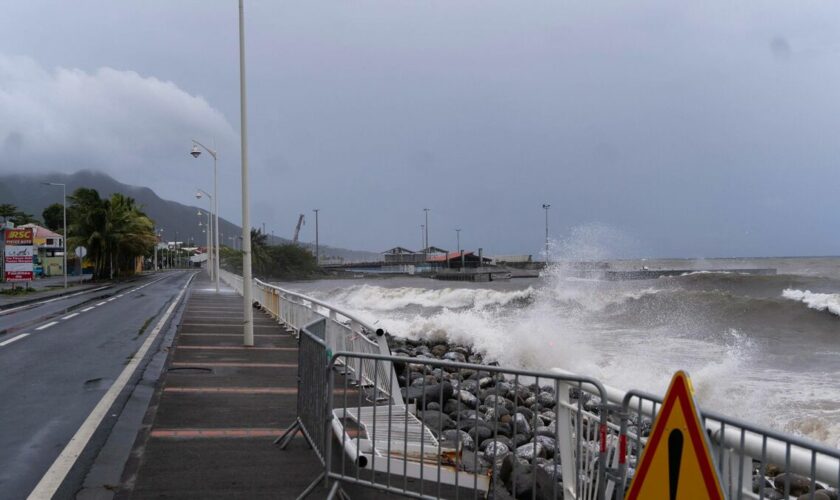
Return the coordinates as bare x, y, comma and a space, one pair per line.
388, 417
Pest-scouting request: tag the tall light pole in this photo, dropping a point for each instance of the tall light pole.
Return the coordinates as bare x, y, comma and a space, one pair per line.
248, 323
423, 237
458, 235
64, 236
317, 248
214, 203
546, 206
427, 228
208, 232
213, 236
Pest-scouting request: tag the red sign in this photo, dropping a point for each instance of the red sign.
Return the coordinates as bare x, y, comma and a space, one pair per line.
12, 276
22, 236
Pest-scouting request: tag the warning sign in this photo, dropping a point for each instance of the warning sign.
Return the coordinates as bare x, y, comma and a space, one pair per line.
676, 463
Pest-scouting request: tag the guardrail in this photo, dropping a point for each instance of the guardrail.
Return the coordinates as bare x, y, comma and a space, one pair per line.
752, 461
344, 330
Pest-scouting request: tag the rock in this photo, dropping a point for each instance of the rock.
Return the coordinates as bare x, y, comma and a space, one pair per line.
427, 380
456, 440
468, 399
512, 464
496, 413
530, 451
439, 350
433, 406
756, 484
455, 356
772, 470
546, 400
798, 484
430, 393
478, 430
520, 439
520, 424
495, 400
450, 406
467, 415
436, 420
527, 412
495, 449
501, 439
485, 382
549, 444
469, 385
545, 431
818, 495
552, 468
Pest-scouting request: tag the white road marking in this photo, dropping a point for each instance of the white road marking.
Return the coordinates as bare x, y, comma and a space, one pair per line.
120, 296
111, 299
7, 342
86, 309
70, 316
53, 478
51, 323
102, 303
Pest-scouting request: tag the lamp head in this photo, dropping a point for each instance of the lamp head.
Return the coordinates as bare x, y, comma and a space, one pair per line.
195, 151
198, 195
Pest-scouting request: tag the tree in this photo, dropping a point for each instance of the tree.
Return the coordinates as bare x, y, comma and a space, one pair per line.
54, 217
20, 218
7, 210
115, 231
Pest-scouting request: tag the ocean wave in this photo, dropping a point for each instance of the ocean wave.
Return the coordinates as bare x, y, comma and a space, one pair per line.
379, 298
819, 301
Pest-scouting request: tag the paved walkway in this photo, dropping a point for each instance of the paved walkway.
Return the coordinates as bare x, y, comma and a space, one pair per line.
210, 428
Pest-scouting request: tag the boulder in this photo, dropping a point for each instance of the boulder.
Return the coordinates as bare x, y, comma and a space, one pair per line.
432, 392
799, 485
495, 449
456, 440
435, 420
530, 451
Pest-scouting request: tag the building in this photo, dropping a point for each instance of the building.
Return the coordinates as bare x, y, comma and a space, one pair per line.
49, 249
399, 256
457, 260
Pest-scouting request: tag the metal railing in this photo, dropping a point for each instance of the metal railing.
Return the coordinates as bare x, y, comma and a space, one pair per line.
343, 330
752, 462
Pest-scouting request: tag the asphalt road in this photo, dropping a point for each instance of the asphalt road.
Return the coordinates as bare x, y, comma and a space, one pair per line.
57, 360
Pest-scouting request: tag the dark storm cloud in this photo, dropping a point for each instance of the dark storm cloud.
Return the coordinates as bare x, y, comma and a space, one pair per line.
667, 123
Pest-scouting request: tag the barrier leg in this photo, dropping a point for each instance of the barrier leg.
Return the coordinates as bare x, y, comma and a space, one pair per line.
287, 436
312, 486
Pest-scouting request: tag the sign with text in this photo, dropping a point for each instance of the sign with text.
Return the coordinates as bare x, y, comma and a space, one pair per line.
18, 254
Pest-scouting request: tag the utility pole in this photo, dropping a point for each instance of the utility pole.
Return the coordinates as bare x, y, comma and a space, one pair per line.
317, 248
427, 232
546, 206
422, 237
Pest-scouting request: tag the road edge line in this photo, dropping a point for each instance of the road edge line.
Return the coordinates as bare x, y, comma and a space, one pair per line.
55, 475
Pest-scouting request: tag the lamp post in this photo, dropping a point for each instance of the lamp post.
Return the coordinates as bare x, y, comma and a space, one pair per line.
427, 228
458, 236
214, 238
317, 248
546, 206
214, 205
208, 232
64, 236
248, 323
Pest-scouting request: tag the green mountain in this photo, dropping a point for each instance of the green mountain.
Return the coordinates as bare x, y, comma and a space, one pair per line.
26, 192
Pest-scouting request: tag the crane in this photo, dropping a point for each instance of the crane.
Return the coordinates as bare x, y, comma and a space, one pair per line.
300, 222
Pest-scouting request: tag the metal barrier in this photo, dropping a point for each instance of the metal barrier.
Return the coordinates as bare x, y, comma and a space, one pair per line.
311, 400
343, 331
746, 455
466, 430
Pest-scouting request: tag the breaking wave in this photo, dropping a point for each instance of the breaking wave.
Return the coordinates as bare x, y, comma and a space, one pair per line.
818, 301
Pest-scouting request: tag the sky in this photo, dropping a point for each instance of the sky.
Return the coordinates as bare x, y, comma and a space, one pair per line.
653, 128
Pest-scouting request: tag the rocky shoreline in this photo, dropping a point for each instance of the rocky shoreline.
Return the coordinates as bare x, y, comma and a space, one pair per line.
495, 424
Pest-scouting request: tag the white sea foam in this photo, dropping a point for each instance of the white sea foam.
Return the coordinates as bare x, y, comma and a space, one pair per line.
820, 301
393, 299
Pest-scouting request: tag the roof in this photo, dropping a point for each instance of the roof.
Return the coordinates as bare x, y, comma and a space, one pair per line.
449, 256
399, 250
432, 249
40, 231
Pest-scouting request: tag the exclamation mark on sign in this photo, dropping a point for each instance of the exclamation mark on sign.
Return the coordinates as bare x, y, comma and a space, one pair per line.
675, 447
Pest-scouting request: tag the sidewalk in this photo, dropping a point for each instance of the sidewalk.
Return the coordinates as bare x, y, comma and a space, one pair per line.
47, 288
210, 428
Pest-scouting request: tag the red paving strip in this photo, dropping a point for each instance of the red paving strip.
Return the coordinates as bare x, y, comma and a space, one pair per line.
236, 348
216, 433
234, 365
233, 390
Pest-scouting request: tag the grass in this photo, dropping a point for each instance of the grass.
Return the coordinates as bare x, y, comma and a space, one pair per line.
17, 291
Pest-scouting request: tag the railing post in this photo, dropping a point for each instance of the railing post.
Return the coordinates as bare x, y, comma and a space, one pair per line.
565, 439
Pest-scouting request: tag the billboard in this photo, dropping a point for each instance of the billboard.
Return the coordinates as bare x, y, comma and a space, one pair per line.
17, 255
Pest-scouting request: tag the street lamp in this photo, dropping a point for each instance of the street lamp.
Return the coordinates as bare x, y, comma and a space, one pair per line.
427, 228
247, 302
546, 206
213, 263
64, 237
214, 205
207, 231
317, 249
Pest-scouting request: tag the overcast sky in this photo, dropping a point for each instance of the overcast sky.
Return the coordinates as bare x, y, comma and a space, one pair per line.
653, 127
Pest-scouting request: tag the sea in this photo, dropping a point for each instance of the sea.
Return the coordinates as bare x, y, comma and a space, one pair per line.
764, 348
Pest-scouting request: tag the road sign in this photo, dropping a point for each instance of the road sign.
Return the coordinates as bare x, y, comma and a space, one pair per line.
676, 463
17, 255
81, 252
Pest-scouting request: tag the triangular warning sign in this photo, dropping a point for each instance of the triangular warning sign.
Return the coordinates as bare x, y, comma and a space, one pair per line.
676, 463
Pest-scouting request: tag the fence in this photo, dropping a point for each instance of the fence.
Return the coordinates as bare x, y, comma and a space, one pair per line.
598, 431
